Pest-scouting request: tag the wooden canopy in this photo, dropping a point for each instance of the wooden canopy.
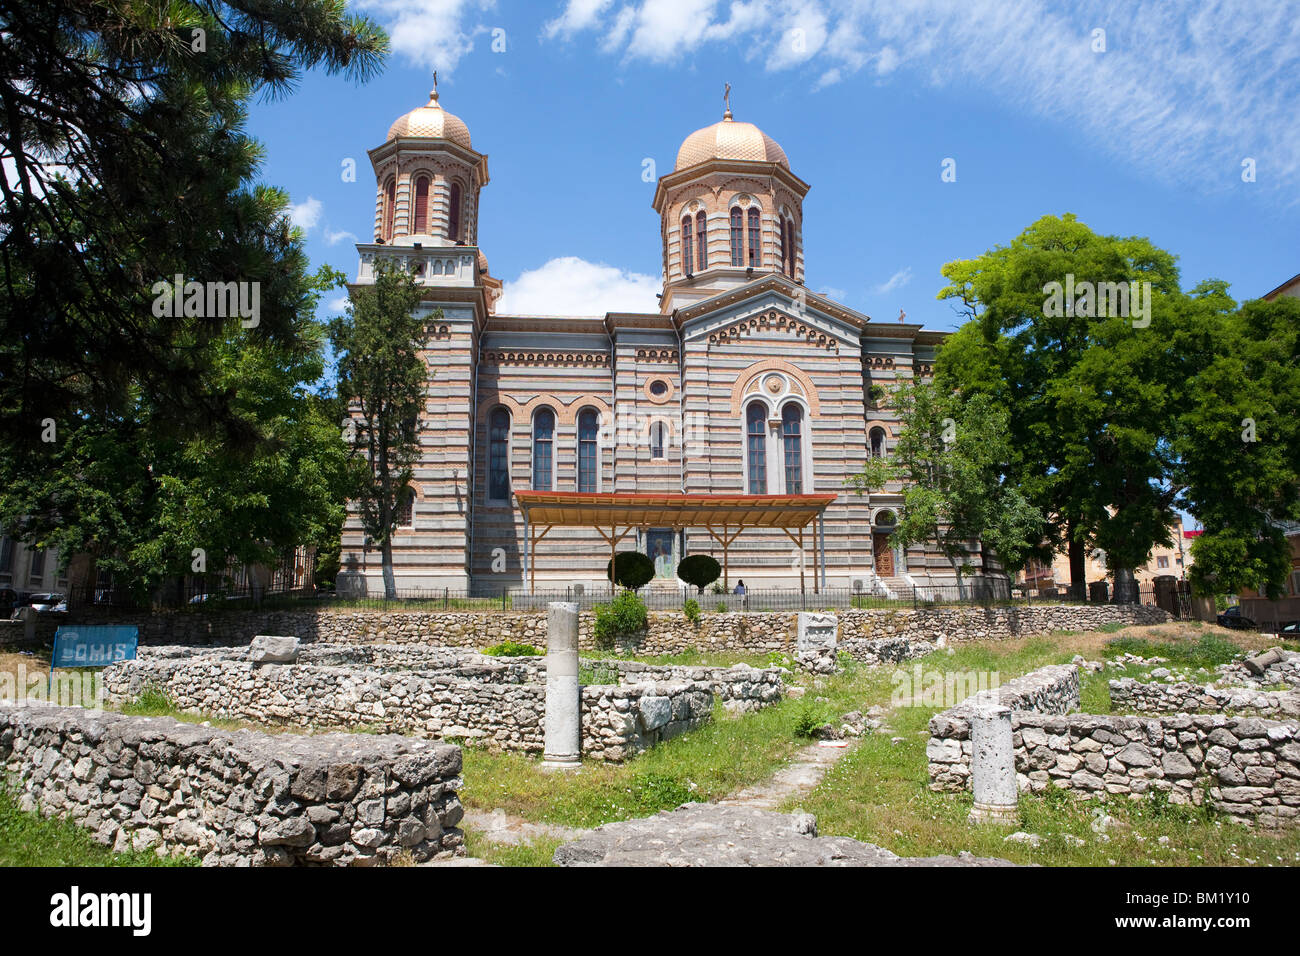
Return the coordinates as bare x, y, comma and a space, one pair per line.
723, 516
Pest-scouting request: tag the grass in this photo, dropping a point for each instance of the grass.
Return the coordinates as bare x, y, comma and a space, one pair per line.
879, 793
28, 839
539, 852
707, 764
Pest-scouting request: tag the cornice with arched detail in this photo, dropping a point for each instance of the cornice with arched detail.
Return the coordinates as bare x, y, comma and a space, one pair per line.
774, 320
565, 414
748, 374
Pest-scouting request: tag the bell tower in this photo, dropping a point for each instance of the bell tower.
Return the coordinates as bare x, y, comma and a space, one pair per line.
730, 211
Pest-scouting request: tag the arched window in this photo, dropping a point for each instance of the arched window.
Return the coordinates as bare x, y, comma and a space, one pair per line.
789, 248
737, 237
877, 442
755, 239
543, 439
688, 254
588, 431
499, 456
406, 508
658, 432
756, 446
701, 240
390, 204
453, 213
780, 242
792, 446
421, 206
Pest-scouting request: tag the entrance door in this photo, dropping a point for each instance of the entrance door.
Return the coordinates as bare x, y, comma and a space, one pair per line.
884, 555
659, 548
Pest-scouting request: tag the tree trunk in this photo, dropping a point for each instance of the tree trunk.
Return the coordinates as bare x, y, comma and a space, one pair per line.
1078, 567
961, 588
1126, 586
390, 582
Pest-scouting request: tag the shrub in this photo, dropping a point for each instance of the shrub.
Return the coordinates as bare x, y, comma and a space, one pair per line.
718, 589
809, 716
618, 620
721, 607
631, 569
692, 610
699, 570
513, 649
589, 674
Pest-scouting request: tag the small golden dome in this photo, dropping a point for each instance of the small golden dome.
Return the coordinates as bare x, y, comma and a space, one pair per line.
730, 140
431, 121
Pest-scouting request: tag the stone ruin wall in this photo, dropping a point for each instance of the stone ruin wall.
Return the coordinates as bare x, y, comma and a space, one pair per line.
235, 798
861, 632
439, 692
1245, 767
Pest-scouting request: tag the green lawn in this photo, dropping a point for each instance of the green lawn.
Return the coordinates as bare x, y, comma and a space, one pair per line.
28, 839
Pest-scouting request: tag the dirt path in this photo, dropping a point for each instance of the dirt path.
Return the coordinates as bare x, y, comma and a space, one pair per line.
500, 827
802, 773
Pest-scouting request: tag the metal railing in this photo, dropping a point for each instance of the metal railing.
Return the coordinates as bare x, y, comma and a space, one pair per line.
976, 593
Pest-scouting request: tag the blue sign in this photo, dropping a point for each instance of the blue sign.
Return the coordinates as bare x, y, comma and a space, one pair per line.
96, 646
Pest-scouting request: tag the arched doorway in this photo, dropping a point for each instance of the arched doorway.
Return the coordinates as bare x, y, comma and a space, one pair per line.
882, 545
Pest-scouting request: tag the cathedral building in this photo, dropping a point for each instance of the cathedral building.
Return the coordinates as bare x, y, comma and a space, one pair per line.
745, 399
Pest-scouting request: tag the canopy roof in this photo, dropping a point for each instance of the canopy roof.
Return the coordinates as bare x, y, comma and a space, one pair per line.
604, 510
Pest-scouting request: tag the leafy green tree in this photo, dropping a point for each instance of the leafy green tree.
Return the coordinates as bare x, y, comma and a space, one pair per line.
1090, 393
630, 569
382, 372
122, 127
148, 501
700, 570
1237, 439
952, 456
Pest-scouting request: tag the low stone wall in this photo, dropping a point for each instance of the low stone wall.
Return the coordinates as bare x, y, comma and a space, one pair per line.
669, 632
740, 688
500, 703
1246, 767
1128, 694
1052, 690
238, 798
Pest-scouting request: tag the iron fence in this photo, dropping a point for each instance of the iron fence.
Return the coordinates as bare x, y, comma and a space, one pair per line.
979, 592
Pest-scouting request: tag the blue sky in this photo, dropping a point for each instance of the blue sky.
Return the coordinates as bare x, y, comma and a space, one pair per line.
867, 98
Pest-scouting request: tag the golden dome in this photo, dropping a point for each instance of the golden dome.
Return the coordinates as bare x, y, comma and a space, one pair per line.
431, 121
730, 140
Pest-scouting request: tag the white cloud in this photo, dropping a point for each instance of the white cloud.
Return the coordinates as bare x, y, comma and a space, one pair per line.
569, 285
337, 305
306, 215
1186, 92
899, 279
434, 34
333, 237
578, 15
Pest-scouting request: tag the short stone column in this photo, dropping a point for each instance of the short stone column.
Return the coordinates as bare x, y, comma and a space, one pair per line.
563, 748
993, 766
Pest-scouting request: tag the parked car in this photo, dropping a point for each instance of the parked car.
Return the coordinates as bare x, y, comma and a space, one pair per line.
48, 603
1234, 619
1290, 632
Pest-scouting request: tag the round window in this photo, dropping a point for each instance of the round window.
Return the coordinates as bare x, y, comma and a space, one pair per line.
658, 387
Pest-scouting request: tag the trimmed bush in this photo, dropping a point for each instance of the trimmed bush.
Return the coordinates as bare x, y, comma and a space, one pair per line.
699, 570
692, 610
630, 569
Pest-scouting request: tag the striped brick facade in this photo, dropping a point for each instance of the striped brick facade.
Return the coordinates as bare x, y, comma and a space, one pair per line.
726, 338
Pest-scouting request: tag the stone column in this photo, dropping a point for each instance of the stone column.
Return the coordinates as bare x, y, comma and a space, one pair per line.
563, 699
993, 766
